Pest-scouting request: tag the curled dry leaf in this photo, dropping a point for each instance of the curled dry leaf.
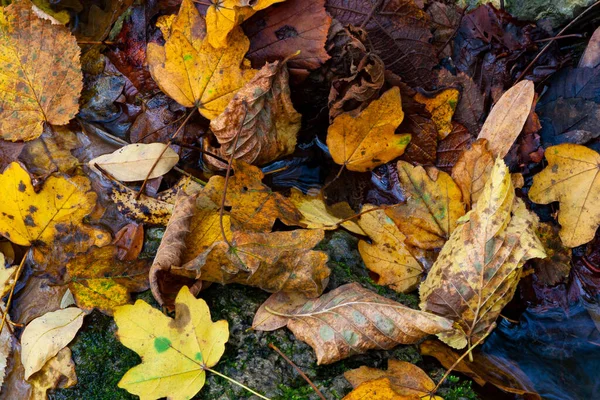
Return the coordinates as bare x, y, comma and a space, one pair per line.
224, 15
406, 379
39, 83
432, 209
285, 29
317, 215
348, 320
274, 262
134, 162
271, 123
254, 206
507, 118
98, 279
184, 68
441, 107
31, 218
58, 372
367, 140
572, 178
45, 336
472, 170
477, 271
387, 255
174, 352
170, 252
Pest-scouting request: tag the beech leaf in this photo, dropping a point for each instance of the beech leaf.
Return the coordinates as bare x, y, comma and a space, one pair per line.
367, 140
477, 271
41, 74
134, 162
271, 123
45, 336
350, 320
507, 118
572, 178
174, 352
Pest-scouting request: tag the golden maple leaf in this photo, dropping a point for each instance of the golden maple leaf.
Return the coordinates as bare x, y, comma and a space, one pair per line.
191, 71
40, 73
367, 140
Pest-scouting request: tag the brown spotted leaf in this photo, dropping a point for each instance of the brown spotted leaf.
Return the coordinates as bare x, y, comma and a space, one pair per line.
40, 73
432, 209
260, 118
254, 206
350, 320
477, 271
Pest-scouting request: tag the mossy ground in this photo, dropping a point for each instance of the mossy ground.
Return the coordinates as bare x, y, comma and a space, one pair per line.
101, 360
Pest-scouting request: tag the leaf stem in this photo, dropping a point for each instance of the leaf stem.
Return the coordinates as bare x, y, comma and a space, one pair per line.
228, 174
236, 382
302, 374
12, 289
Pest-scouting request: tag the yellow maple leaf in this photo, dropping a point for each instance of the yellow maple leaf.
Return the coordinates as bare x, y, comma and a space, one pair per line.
224, 15
572, 178
367, 140
30, 218
174, 352
194, 73
40, 73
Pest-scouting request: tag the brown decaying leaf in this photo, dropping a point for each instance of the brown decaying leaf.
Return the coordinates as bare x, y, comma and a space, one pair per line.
555, 268
509, 378
58, 372
406, 379
479, 267
433, 206
273, 261
449, 149
363, 77
399, 31
254, 206
260, 118
507, 118
39, 83
283, 29
387, 255
349, 320
441, 106
472, 171
444, 20
51, 152
129, 242
163, 283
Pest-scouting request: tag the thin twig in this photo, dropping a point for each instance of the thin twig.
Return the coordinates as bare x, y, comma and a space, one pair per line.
228, 174
12, 289
180, 129
95, 42
302, 374
111, 178
159, 129
202, 151
468, 352
532, 63
334, 179
571, 35
373, 11
236, 382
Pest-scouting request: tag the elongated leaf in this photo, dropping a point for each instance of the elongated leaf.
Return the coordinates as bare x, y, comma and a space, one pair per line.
349, 320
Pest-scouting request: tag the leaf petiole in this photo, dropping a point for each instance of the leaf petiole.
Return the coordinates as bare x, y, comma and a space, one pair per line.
236, 382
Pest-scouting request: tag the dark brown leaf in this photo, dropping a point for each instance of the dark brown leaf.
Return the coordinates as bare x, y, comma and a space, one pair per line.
450, 148
470, 108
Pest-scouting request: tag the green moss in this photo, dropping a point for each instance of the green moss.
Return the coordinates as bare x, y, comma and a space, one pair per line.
100, 362
458, 389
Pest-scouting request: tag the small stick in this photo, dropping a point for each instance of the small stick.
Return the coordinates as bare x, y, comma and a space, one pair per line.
12, 289
334, 179
532, 63
95, 42
228, 174
302, 374
572, 35
111, 178
137, 197
202, 151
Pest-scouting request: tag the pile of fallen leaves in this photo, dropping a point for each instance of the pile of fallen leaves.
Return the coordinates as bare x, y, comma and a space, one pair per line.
248, 130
